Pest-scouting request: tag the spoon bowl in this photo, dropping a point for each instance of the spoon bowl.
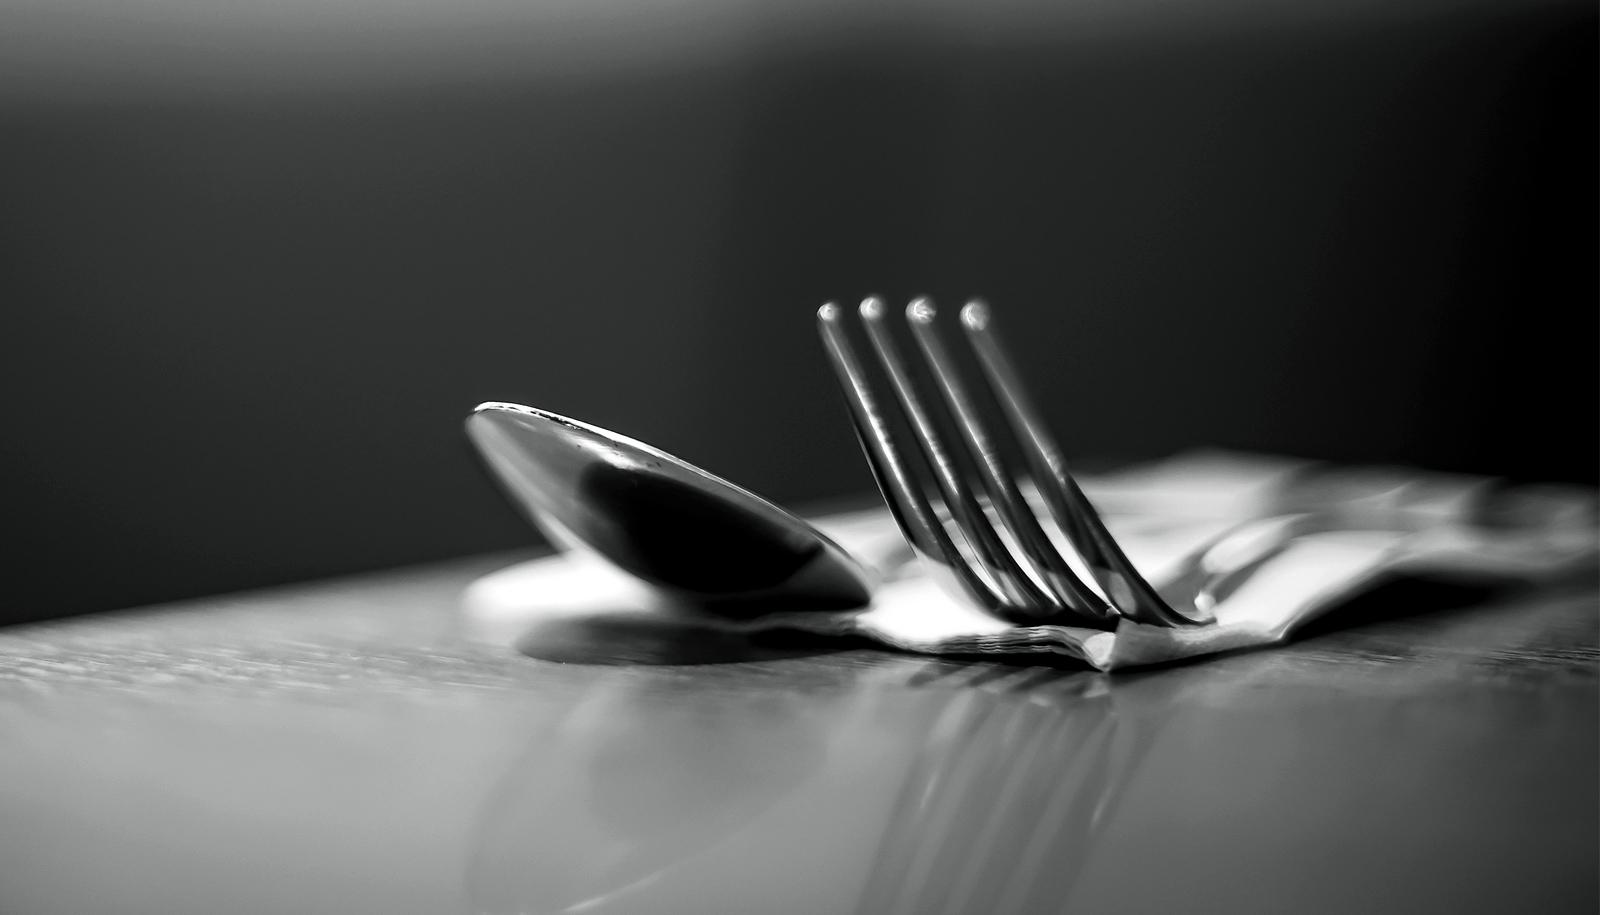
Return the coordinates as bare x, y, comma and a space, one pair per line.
686, 532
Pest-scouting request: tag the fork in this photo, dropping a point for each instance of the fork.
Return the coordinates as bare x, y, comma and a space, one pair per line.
973, 511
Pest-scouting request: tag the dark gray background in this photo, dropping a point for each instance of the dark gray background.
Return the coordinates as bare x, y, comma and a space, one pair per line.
257, 266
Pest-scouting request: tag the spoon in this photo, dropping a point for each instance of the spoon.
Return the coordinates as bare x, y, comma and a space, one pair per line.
687, 533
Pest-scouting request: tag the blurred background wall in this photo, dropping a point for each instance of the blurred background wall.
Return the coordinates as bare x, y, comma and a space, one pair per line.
259, 260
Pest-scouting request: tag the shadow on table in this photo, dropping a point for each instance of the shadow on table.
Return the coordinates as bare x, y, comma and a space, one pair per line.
629, 638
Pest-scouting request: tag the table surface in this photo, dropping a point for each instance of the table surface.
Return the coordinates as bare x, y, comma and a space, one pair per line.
351, 746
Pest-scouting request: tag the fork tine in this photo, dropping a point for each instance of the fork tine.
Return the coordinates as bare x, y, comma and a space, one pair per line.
898, 480
1129, 591
974, 526
997, 475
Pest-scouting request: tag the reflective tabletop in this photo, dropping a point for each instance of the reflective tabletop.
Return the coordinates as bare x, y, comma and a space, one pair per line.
347, 746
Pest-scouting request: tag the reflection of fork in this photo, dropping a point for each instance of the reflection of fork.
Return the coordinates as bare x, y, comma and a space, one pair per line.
947, 464
1003, 808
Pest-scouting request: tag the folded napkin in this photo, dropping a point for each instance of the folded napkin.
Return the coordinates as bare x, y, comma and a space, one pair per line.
1376, 523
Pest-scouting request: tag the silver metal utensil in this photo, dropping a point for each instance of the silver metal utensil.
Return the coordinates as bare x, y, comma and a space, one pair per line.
686, 532
945, 463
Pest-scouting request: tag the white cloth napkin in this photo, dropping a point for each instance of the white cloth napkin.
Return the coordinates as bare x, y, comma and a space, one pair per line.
1393, 522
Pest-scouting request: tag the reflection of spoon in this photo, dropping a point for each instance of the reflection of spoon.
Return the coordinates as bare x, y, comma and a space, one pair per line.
666, 522
644, 776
